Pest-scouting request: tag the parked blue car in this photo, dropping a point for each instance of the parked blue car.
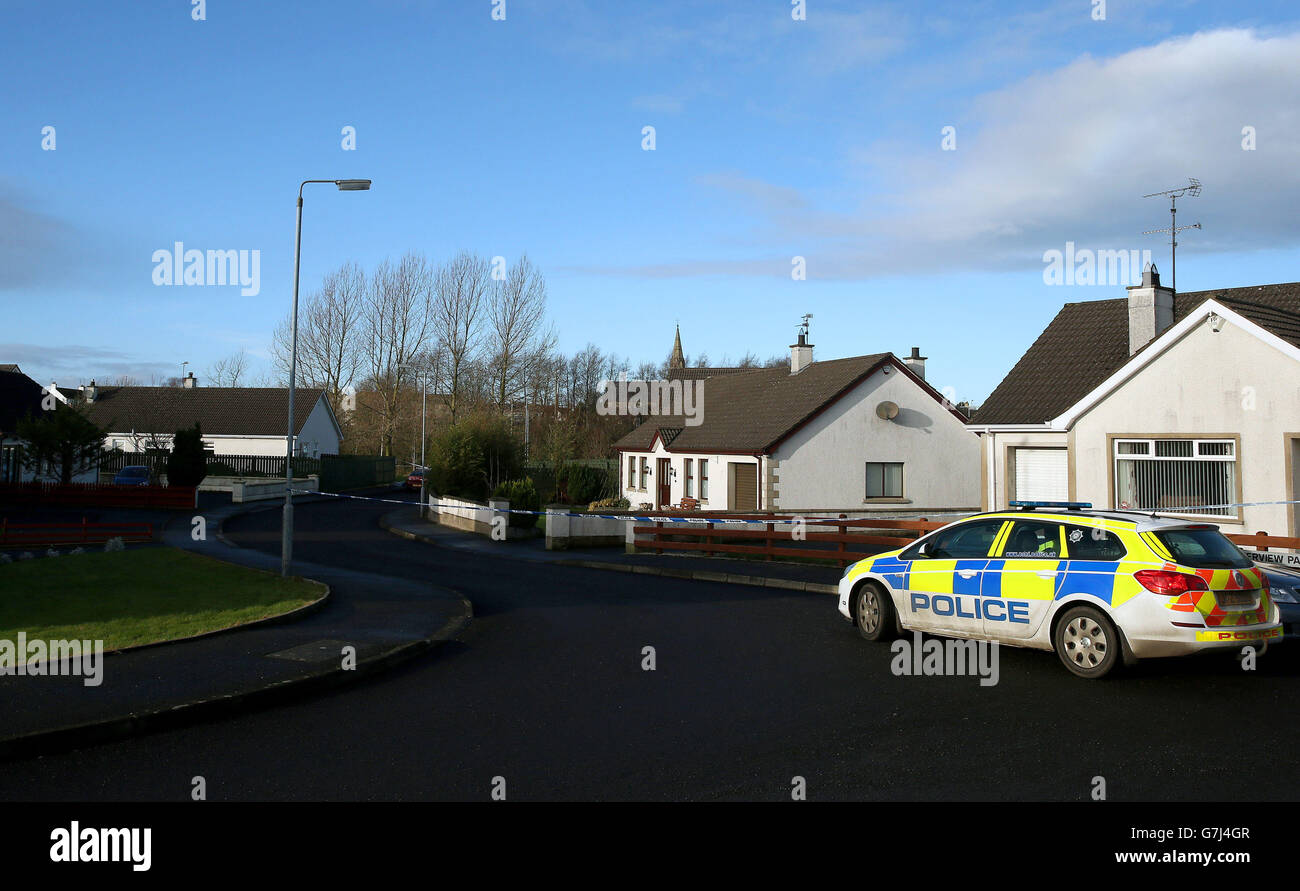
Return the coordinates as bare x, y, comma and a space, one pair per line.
134, 475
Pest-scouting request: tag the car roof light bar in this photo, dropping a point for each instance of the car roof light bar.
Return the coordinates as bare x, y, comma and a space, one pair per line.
1068, 505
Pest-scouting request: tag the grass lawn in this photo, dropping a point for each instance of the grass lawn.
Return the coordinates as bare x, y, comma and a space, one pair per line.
138, 596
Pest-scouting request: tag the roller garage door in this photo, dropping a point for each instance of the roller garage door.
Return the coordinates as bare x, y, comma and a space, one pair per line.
1042, 475
744, 486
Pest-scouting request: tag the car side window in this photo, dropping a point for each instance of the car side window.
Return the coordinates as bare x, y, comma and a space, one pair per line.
1033, 539
1093, 544
969, 540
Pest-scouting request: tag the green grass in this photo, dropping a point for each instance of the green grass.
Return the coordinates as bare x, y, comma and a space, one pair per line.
134, 597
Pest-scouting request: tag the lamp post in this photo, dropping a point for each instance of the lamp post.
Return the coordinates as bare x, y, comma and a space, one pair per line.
424, 401
286, 526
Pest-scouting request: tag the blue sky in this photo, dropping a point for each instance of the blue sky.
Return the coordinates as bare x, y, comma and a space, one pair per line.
775, 138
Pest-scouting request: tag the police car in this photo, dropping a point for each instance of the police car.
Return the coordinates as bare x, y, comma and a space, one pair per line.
1097, 587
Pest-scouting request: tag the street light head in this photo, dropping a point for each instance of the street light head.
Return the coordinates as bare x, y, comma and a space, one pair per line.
352, 185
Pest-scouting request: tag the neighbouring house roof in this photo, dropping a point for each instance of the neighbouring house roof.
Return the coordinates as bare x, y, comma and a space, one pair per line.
752, 411
221, 411
700, 373
1088, 342
20, 396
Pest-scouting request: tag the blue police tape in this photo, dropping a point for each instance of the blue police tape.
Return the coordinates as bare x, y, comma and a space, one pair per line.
542, 513
703, 520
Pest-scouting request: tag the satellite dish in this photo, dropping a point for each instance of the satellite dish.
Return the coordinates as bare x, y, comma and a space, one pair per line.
887, 411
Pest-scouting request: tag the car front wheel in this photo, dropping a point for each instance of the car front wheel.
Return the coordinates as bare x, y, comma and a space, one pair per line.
1087, 643
874, 613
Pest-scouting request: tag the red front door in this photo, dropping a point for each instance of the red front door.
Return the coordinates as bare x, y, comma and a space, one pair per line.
665, 484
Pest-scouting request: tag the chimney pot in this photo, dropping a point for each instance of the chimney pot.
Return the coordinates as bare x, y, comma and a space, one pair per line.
916, 362
1150, 309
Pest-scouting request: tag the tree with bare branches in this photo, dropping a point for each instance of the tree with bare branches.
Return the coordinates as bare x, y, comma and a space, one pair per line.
330, 335
396, 323
228, 372
516, 329
459, 289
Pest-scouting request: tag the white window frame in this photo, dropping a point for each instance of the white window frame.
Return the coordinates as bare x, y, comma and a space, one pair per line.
1233, 459
704, 479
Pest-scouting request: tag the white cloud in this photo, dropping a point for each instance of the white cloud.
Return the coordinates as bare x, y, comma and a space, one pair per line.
1063, 155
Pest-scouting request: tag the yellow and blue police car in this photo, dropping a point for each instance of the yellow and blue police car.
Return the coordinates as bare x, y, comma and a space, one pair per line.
1100, 588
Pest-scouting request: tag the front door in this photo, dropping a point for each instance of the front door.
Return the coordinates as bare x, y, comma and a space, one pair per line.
665, 484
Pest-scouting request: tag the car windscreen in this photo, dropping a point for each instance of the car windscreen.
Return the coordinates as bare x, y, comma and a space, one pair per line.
1202, 547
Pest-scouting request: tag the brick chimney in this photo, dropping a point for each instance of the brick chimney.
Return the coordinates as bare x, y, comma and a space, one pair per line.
916, 362
1150, 310
801, 354
189, 382
91, 392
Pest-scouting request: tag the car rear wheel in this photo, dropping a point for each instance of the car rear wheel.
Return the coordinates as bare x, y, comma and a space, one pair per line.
1087, 643
873, 613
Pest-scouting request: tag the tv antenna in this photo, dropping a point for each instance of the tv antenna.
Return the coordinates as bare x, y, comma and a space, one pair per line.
1191, 190
804, 324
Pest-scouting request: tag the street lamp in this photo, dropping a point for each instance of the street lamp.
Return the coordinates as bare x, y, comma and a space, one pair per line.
286, 527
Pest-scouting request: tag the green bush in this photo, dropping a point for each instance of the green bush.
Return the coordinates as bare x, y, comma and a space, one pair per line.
187, 464
610, 504
582, 484
473, 457
522, 495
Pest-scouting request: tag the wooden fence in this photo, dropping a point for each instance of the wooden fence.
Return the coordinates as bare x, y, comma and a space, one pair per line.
44, 494
218, 465
1262, 541
841, 541
29, 535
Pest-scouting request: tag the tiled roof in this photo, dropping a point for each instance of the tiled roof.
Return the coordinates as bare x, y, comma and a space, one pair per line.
222, 411
1088, 342
20, 396
700, 373
752, 410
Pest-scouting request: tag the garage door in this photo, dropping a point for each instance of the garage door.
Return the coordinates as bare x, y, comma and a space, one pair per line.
744, 482
1042, 475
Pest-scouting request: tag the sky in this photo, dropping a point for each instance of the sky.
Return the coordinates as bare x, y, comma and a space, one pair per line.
776, 137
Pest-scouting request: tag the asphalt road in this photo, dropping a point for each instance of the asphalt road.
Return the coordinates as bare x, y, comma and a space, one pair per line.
752, 688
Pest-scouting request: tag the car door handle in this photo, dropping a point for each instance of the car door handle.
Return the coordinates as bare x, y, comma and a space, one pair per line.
966, 573
1046, 573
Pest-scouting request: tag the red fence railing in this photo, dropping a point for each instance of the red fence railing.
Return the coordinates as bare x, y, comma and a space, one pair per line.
45, 494
19, 535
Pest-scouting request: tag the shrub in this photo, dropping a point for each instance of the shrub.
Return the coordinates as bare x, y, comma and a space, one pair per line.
472, 458
522, 495
187, 464
610, 504
582, 484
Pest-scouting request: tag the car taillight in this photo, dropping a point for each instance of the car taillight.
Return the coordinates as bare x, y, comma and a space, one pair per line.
1169, 583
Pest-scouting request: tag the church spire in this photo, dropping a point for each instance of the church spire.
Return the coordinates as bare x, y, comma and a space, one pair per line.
677, 359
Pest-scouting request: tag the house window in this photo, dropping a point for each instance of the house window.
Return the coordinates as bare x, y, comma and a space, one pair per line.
1185, 476
631, 473
690, 478
645, 473
704, 479
884, 479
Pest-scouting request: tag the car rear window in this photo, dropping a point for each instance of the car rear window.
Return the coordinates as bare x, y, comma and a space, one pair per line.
1202, 547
